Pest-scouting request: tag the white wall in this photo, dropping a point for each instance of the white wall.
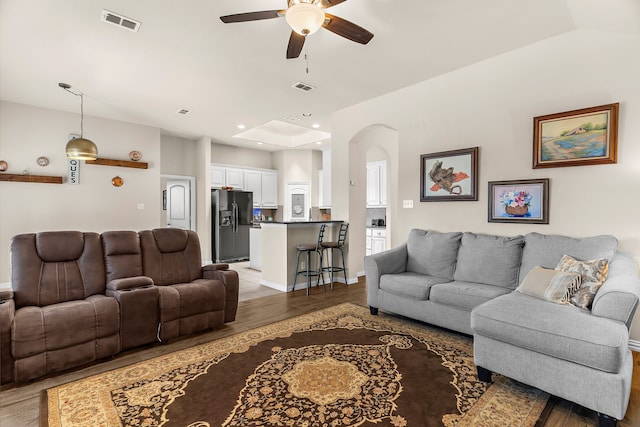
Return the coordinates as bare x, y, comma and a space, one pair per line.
237, 156
491, 105
93, 205
179, 156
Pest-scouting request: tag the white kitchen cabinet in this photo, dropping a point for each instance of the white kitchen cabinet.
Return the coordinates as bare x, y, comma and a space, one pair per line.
376, 241
234, 178
217, 177
377, 184
269, 189
264, 185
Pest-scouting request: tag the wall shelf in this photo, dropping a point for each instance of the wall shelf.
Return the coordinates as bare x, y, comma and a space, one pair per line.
14, 177
120, 163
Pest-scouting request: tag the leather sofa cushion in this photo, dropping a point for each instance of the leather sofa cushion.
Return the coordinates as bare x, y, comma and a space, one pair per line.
166, 266
465, 295
490, 260
38, 330
432, 253
561, 331
547, 250
123, 255
52, 267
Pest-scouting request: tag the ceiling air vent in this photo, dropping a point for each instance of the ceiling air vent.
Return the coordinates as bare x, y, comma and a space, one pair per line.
303, 87
120, 20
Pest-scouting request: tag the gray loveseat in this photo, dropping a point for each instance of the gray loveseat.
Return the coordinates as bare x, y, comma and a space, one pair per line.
466, 282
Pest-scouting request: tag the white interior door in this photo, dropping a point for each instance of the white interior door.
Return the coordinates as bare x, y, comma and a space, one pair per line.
179, 204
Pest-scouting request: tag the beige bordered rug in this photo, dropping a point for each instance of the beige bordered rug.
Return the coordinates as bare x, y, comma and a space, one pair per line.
335, 367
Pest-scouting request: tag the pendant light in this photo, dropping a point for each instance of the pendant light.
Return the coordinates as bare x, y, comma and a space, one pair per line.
80, 148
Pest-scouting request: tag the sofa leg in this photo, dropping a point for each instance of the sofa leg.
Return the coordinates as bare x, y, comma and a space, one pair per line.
373, 310
606, 421
484, 374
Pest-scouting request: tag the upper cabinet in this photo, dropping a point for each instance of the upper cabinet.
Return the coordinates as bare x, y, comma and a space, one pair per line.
263, 183
377, 184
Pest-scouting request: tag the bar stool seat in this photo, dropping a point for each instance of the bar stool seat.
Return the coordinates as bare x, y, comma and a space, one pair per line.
331, 246
308, 272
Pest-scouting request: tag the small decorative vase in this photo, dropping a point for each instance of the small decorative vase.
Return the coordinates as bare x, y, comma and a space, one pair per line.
516, 211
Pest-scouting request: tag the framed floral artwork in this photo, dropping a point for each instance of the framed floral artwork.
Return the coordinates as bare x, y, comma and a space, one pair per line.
524, 201
449, 176
576, 138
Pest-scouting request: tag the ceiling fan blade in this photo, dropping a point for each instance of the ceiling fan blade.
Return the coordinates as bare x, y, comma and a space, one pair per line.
347, 29
296, 42
252, 16
325, 4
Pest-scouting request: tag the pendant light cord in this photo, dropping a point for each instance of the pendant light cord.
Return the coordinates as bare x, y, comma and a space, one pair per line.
81, 95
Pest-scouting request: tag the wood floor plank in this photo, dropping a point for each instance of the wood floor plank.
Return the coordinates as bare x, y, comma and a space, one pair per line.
19, 405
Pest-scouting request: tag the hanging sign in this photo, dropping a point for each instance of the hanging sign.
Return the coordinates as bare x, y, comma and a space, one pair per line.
73, 176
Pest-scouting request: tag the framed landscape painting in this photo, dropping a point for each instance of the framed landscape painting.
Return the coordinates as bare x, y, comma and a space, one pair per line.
449, 176
576, 138
524, 201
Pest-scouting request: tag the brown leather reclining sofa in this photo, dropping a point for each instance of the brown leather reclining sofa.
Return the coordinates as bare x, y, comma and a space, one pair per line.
79, 297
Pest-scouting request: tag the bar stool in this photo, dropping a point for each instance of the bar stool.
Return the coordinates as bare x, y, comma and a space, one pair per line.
331, 268
308, 249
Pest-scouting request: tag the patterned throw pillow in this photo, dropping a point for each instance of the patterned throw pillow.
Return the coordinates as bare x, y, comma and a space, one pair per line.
593, 272
551, 285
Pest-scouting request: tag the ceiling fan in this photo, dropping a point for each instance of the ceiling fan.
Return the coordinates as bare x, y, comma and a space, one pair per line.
306, 17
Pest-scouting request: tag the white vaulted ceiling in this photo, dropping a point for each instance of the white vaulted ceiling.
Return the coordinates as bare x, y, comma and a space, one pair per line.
184, 57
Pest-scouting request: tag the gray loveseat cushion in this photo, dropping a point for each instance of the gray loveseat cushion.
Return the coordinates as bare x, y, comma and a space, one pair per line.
432, 253
488, 259
408, 284
560, 331
547, 250
465, 295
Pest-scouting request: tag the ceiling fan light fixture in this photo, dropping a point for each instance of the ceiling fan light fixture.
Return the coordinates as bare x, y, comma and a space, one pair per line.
305, 18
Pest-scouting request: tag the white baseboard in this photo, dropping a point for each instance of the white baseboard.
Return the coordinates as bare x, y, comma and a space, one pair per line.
634, 345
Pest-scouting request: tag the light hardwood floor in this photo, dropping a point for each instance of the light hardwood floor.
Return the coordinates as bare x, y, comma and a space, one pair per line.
19, 406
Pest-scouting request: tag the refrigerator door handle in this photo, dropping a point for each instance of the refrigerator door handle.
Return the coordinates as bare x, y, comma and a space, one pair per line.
235, 217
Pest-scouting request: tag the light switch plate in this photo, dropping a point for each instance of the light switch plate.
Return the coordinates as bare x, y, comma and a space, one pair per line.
407, 204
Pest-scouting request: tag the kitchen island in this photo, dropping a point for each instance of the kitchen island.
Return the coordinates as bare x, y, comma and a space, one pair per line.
278, 242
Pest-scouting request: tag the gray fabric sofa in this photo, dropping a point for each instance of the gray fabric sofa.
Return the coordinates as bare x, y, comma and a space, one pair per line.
467, 282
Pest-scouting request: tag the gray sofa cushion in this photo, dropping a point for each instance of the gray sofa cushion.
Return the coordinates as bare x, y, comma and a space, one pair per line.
432, 253
562, 331
465, 295
547, 250
491, 260
408, 284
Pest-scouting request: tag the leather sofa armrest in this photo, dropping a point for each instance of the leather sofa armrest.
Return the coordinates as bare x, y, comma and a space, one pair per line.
229, 279
214, 267
5, 295
7, 313
128, 283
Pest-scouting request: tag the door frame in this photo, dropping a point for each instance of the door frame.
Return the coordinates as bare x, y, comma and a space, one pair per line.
192, 184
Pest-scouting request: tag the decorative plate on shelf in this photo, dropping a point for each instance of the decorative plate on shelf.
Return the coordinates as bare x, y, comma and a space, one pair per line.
117, 181
42, 161
135, 155
3, 166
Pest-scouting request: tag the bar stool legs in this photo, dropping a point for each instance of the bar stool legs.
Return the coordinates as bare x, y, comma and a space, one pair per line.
308, 272
332, 268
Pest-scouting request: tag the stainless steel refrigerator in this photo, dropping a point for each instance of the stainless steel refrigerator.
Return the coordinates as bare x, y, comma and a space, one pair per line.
231, 215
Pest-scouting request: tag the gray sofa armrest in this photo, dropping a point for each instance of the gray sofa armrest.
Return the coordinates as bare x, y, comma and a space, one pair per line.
387, 262
619, 295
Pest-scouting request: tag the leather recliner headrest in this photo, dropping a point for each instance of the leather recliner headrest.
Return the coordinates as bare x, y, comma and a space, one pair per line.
60, 246
171, 239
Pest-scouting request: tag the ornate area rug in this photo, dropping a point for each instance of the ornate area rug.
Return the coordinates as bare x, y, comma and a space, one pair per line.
335, 367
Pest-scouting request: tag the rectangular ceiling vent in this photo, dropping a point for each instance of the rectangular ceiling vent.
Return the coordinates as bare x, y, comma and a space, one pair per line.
120, 20
303, 87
